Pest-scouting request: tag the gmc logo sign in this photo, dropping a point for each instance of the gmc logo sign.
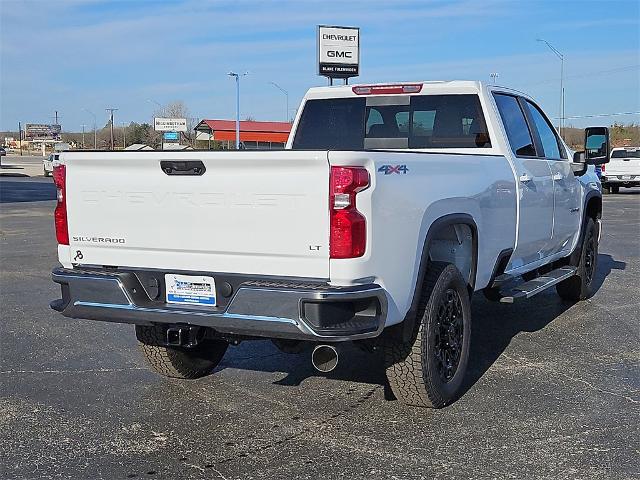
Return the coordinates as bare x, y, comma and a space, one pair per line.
336, 54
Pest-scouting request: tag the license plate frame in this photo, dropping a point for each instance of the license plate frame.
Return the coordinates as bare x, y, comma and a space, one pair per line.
198, 290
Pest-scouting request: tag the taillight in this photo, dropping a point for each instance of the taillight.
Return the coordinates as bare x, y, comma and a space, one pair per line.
348, 236
602, 168
60, 214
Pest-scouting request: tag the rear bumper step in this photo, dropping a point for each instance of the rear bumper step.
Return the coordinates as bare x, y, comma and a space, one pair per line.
294, 310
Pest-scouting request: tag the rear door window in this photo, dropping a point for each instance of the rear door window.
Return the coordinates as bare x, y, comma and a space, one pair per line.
515, 125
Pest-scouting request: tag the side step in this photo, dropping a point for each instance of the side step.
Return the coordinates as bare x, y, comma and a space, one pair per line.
537, 285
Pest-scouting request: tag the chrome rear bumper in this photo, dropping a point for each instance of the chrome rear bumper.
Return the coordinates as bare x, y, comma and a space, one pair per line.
294, 310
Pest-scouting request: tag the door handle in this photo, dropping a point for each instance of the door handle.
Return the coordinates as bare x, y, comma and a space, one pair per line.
525, 177
574, 210
179, 167
557, 176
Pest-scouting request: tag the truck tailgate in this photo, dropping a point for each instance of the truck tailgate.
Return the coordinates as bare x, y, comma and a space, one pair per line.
263, 213
623, 166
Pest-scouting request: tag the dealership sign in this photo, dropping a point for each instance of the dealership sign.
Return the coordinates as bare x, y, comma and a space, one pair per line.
170, 124
35, 131
338, 51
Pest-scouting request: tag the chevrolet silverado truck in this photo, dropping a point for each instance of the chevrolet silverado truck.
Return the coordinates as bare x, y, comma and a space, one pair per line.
391, 205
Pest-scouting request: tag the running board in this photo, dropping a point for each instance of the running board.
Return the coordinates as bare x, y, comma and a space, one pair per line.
537, 285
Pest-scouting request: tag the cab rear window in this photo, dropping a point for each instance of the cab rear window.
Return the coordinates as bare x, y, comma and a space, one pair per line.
625, 154
395, 122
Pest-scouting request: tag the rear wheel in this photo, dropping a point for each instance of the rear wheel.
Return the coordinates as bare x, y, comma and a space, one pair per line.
580, 286
429, 370
179, 362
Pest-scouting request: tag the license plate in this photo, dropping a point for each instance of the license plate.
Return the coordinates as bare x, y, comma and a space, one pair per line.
626, 177
190, 289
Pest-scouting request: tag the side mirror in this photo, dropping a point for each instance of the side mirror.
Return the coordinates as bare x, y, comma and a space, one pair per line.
579, 165
596, 145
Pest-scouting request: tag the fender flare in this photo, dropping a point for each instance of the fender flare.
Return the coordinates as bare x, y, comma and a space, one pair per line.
441, 222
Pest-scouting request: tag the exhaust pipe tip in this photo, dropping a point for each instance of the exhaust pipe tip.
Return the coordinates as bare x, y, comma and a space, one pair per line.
324, 358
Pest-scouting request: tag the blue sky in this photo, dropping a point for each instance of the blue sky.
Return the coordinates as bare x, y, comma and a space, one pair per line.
71, 55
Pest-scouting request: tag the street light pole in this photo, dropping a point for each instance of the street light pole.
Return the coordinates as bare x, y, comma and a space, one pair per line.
561, 57
83, 125
237, 77
286, 115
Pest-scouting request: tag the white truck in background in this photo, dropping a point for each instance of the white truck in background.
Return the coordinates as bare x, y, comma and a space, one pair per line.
390, 207
623, 170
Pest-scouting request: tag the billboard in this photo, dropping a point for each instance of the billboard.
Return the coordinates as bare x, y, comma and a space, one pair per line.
170, 124
41, 131
338, 51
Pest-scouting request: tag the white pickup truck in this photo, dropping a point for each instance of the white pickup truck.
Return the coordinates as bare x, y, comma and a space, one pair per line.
391, 205
623, 170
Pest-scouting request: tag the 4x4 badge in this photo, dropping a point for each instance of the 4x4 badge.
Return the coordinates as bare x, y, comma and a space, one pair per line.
389, 169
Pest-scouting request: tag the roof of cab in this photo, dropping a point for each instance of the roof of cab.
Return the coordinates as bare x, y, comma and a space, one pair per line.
428, 87
347, 90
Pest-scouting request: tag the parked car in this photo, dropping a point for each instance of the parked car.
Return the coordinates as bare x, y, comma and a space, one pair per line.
48, 164
391, 206
623, 170
3, 152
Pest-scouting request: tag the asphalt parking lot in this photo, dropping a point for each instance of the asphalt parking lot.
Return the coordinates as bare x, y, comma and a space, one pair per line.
21, 166
554, 389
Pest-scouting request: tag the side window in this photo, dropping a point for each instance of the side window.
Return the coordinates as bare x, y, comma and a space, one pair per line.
548, 137
516, 126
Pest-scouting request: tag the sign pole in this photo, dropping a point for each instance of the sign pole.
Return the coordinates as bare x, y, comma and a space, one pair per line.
20, 136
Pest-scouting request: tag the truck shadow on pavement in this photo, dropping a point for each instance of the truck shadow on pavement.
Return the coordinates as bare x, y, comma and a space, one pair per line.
26, 191
494, 326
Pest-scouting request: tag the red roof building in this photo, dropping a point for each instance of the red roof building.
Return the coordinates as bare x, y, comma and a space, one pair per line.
252, 134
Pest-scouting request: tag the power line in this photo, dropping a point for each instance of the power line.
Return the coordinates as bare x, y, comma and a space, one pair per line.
583, 75
593, 115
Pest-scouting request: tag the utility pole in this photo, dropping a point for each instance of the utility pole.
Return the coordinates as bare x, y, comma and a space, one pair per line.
111, 110
286, 115
95, 133
56, 117
124, 134
83, 125
494, 76
20, 136
561, 57
237, 77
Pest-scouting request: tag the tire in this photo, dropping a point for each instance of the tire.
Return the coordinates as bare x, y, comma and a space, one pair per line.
179, 362
580, 286
416, 372
615, 189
